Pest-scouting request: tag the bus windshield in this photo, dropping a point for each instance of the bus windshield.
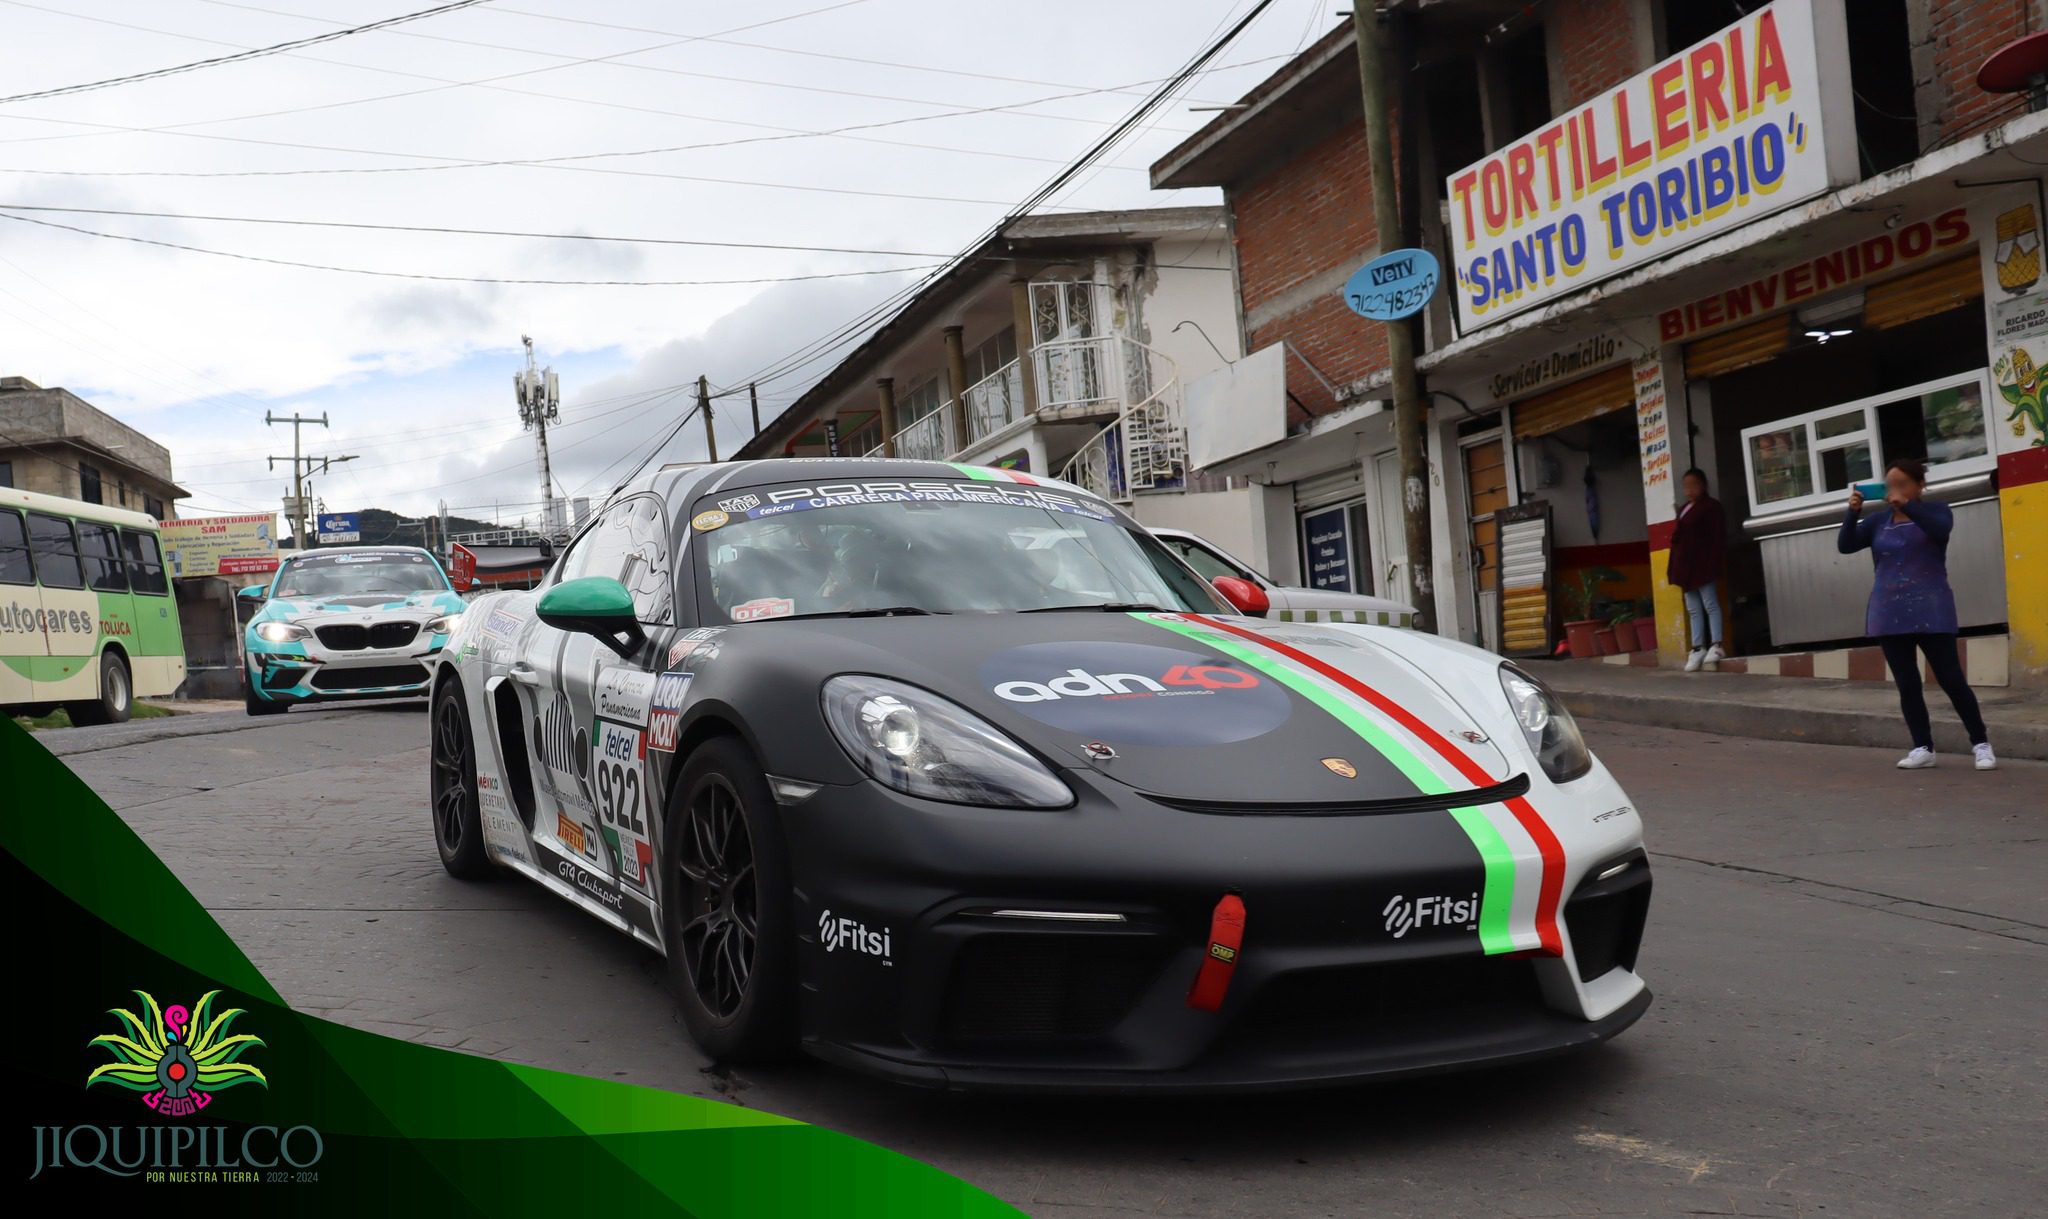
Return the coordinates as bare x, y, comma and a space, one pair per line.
347, 575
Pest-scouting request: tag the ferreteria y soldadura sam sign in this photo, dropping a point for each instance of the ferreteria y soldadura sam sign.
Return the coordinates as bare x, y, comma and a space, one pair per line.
1722, 133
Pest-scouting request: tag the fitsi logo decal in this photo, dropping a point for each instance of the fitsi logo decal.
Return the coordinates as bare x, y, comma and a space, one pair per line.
852, 935
1406, 914
176, 1057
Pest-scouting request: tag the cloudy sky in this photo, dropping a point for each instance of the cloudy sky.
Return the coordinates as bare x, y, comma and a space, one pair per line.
725, 123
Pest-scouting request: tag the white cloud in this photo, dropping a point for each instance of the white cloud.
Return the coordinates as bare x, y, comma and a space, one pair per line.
414, 374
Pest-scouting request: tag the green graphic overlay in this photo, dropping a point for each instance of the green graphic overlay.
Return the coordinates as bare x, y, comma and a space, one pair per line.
108, 939
1497, 895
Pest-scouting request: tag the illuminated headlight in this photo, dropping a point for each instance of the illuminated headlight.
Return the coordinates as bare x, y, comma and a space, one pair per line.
1552, 734
923, 745
446, 624
280, 632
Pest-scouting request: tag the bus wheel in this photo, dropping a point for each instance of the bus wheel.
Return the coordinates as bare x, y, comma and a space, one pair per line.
117, 695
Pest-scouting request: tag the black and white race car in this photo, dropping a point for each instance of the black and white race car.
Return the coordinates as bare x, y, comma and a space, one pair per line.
959, 777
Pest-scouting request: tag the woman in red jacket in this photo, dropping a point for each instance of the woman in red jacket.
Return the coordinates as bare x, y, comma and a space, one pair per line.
1698, 545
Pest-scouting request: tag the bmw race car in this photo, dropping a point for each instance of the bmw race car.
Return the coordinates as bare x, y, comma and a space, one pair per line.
960, 777
360, 622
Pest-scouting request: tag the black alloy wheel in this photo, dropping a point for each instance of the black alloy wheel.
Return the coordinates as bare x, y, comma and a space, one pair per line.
458, 822
725, 908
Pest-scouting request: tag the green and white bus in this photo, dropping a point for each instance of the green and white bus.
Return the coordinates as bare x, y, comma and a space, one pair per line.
87, 619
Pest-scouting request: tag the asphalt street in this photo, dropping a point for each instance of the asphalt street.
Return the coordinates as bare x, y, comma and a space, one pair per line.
1850, 962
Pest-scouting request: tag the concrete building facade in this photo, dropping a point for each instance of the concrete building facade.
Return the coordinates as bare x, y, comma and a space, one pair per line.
54, 442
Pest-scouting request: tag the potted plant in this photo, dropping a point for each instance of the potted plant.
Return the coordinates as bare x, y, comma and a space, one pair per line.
1625, 637
1582, 630
1646, 625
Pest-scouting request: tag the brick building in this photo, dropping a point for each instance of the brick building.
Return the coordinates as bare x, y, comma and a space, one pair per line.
54, 442
1784, 242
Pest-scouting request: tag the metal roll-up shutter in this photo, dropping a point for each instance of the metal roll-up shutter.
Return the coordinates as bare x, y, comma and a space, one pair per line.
1575, 403
1909, 298
1738, 348
1345, 482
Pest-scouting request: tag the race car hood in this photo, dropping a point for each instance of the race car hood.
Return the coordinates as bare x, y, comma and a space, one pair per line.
423, 604
1212, 710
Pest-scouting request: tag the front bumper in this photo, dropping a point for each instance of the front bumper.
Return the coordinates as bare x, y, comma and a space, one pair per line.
306, 672
929, 953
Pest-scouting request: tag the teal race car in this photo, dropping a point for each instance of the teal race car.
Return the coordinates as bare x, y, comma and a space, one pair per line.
356, 623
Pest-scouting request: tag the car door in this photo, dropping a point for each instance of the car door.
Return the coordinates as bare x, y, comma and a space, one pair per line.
588, 717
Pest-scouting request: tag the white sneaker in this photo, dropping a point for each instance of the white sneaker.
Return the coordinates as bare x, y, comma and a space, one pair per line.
1713, 658
1692, 662
1985, 759
1919, 759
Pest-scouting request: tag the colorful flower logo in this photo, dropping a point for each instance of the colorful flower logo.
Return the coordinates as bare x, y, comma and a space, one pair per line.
177, 1058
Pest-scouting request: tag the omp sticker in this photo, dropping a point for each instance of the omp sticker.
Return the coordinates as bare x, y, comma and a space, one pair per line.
622, 800
622, 694
671, 691
708, 520
1137, 693
763, 607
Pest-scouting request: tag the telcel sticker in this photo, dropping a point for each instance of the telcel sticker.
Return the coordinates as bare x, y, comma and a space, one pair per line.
706, 521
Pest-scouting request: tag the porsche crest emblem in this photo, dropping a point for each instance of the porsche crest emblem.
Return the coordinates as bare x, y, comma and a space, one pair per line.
1338, 766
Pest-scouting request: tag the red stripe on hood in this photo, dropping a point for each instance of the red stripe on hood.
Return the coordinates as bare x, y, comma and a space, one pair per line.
1550, 885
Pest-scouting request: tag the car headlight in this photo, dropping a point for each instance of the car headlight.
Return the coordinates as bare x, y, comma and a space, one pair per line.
280, 632
1552, 734
446, 624
924, 745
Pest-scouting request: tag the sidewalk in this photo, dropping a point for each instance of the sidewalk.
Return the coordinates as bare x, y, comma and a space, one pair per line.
1820, 710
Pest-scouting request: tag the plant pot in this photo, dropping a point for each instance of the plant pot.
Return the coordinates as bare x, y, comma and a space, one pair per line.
1603, 638
1625, 637
1646, 634
1579, 636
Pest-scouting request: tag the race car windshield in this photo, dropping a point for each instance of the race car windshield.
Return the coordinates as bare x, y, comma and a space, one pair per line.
934, 547
345, 575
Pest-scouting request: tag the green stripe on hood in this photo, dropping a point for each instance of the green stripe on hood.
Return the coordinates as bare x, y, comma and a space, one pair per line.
1497, 895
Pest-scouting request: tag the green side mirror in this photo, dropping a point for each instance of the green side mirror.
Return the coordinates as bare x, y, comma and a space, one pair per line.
254, 592
594, 605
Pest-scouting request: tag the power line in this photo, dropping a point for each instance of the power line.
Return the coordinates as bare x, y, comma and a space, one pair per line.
461, 279
252, 53
451, 230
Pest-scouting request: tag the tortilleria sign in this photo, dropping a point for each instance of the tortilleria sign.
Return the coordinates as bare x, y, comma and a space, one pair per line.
1724, 132
1883, 254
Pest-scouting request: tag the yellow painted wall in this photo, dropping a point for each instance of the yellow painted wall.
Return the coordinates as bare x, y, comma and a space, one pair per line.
2023, 511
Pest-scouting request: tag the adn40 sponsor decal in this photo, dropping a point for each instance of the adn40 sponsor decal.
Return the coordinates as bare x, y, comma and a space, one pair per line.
1137, 693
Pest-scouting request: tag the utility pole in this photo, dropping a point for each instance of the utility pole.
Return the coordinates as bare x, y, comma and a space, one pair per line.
1375, 85
754, 401
704, 407
540, 400
302, 467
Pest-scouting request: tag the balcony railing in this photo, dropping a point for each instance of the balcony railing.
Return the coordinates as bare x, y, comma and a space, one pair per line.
928, 439
1145, 449
1090, 376
995, 402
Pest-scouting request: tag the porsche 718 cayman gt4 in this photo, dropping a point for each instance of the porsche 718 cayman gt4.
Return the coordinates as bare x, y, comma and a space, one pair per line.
960, 777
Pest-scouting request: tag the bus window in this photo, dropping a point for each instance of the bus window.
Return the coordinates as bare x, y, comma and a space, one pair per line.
56, 551
15, 567
145, 562
101, 550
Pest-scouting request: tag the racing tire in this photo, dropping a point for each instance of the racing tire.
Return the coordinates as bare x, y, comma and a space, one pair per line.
258, 706
117, 695
458, 821
726, 908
